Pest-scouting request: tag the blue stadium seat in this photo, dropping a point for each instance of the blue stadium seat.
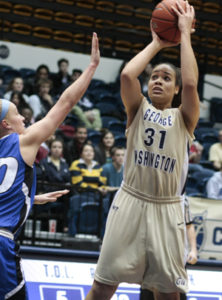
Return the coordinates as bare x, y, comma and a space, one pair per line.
71, 120
216, 110
117, 127
107, 109
85, 213
120, 140
106, 120
89, 218
94, 137
199, 132
27, 72
10, 74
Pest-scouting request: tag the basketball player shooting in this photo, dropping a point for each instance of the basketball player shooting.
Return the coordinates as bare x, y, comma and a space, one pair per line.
18, 148
145, 230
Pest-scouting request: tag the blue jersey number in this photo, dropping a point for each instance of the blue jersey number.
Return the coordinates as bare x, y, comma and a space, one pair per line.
151, 135
8, 178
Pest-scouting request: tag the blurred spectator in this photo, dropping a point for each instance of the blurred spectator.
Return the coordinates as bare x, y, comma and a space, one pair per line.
54, 166
73, 149
42, 72
62, 78
84, 102
214, 186
44, 149
19, 101
113, 171
91, 118
86, 173
215, 153
103, 150
195, 154
27, 113
75, 74
16, 85
55, 171
42, 101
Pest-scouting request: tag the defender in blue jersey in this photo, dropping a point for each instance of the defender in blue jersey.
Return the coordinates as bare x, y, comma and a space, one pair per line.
18, 148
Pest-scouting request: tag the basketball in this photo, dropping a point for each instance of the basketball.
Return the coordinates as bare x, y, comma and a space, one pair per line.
164, 20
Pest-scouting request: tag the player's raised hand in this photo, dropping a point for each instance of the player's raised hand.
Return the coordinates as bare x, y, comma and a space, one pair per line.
95, 53
186, 17
49, 197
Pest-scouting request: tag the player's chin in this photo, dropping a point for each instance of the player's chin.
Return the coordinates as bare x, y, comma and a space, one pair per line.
157, 97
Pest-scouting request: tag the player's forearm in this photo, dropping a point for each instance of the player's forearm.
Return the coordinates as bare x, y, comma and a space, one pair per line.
76, 90
189, 68
191, 235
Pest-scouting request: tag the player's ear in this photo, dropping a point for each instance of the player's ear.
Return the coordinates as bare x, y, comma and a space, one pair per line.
177, 89
4, 123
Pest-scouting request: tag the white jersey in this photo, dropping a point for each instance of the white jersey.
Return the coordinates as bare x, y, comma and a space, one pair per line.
156, 162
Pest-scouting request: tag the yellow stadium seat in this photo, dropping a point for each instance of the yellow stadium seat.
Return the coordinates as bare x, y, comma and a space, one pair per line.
171, 53
120, 26
107, 6
209, 42
122, 45
79, 38
201, 58
42, 32
83, 20
106, 43
5, 6
85, 3
124, 9
63, 36
103, 23
144, 13
147, 1
136, 48
42, 13
22, 28
196, 40
210, 26
197, 4
82, 39
211, 59
67, 2
23, 10
63, 17
5, 25
211, 7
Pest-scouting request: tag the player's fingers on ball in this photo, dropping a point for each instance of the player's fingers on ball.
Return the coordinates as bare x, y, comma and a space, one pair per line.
180, 8
175, 10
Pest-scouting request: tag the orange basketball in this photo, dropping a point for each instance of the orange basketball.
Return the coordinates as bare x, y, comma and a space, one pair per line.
164, 20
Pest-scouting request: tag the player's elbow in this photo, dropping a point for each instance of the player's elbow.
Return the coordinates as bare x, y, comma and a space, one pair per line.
125, 77
190, 84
